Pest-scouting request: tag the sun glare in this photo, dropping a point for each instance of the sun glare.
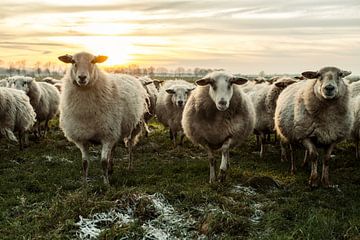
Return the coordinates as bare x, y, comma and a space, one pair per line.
115, 48
118, 49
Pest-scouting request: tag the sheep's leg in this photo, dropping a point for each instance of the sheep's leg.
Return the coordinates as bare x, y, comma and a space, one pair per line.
182, 135
283, 152
257, 140
133, 139
305, 159
275, 138
46, 127
292, 160
325, 168
262, 145
111, 161
224, 160
105, 159
212, 163
21, 141
84, 148
313, 156
171, 134
268, 137
174, 139
357, 149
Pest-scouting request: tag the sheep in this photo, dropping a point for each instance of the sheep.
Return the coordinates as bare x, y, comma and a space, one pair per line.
16, 114
264, 100
170, 104
97, 107
44, 98
152, 91
316, 113
218, 116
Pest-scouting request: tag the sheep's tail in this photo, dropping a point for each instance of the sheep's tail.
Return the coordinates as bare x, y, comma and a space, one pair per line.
8, 134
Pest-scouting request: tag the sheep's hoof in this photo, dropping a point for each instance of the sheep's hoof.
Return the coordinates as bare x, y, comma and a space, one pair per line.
325, 183
212, 180
293, 172
106, 181
222, 176
313, 182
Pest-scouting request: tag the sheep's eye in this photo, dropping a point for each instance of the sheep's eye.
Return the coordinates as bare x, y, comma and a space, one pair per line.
75, 64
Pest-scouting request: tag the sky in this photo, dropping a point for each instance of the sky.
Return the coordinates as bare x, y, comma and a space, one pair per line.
243, 36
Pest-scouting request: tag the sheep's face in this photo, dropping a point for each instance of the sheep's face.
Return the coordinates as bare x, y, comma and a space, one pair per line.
83, 69
179, 94
329, 82
21, 83
221, 87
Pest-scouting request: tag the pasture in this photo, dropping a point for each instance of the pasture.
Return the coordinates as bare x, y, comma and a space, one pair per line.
167, 194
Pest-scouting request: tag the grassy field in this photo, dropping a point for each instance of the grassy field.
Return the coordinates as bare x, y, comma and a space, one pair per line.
167, 195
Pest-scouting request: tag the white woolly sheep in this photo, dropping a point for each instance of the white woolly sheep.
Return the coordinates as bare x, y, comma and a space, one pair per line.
170, 104
264, 99
100, 108
152, 91
316, 113
16, 114
218, 116
44, 98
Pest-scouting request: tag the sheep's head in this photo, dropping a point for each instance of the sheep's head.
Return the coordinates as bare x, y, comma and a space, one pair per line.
83, 69
221, 87
179, 94
329, 82
21, 83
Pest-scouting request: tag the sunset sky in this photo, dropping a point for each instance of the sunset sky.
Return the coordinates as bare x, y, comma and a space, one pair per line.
244, 36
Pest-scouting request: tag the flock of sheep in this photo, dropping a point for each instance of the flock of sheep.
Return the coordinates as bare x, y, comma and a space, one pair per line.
218, 113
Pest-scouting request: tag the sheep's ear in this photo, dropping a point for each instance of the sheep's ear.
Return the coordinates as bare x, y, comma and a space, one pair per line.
204, 81
147, 83
66, 58
189, 89
344, 73
99, 59
238, 80
284, 84
310, 74
170, 91
299, 77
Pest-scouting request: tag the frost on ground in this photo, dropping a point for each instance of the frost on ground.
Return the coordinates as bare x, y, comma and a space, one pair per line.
248, 191
168, 223
90, 228
53, 159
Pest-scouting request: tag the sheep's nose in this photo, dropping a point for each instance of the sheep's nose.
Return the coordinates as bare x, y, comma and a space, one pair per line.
180, 103
82, 78
222, 102
329, 88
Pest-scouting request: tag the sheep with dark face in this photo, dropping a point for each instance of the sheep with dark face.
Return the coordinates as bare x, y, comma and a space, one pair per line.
218, 116
100, 108
170, 103
315, 113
